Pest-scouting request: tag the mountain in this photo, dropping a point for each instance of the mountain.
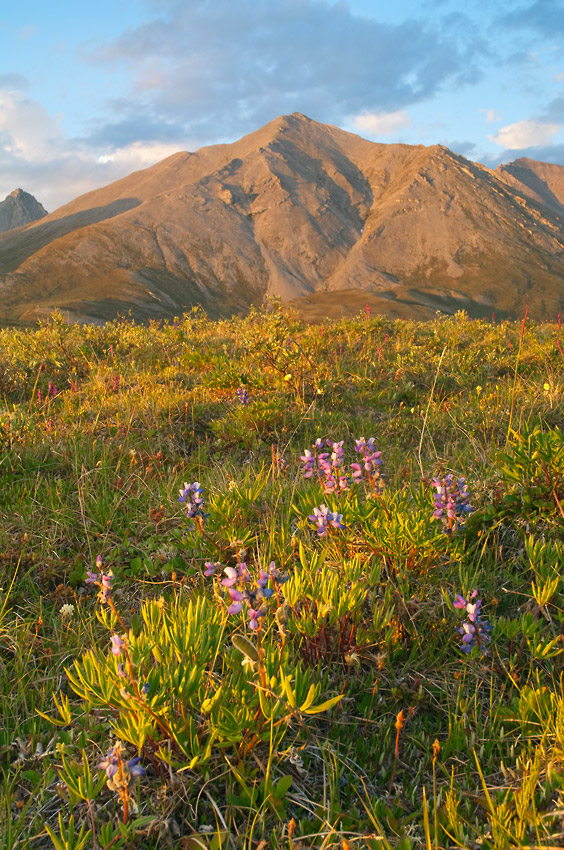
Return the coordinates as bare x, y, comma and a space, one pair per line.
320, 217
19, 208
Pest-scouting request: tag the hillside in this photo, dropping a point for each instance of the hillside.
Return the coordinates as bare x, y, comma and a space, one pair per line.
317, 216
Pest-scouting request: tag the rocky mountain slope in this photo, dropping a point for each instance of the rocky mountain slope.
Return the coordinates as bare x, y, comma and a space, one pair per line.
19, 208
320, 217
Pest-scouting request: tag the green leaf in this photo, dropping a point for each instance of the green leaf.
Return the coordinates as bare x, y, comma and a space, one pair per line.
244, 645
324, 706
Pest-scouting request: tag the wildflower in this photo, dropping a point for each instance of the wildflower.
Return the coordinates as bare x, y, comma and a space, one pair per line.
275, 574
243, 395
66, 611
103, 580
451, 502
210, 568
475, 632
237, 605
254, 617
235, 575
105, 586
324, 518
191, 496
118, 772
117, 645
309, 460
263, 592
371, 461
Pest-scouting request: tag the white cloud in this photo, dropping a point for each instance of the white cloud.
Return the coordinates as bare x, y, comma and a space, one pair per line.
491, 115
525, 134
140, 154
37, 155
381, 123
219, 69
26, 128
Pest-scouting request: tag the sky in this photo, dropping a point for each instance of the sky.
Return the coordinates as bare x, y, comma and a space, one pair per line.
91, 92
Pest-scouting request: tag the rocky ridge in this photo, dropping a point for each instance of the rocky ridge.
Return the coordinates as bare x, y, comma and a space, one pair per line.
19, 208
307, 212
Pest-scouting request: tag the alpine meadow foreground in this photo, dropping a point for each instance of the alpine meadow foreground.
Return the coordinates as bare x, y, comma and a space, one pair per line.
274, 585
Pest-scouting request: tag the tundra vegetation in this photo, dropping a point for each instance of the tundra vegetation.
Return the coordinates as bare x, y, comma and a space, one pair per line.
271, 585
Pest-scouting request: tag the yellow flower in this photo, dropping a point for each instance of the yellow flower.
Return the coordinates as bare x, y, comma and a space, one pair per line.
546, 387
287, 377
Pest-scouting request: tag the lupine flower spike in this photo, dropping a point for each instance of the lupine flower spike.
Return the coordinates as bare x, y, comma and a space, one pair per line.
120, 774
243, 395
475, 632
324, 518
452, 502
191, 496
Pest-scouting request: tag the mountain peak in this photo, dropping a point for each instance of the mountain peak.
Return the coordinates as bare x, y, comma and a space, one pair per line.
305, 211
18, 209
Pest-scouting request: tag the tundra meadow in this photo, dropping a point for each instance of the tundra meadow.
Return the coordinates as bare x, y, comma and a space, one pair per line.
271, 585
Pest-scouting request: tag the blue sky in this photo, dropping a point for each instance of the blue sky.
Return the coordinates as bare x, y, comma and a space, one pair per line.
91, 92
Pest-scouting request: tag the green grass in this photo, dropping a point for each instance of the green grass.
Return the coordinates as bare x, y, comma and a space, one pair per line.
415, 744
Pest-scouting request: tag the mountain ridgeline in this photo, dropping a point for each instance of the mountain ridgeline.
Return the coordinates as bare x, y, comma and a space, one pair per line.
307, 212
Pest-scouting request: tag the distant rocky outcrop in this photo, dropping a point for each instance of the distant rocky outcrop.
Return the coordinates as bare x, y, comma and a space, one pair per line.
19, 208
320, 217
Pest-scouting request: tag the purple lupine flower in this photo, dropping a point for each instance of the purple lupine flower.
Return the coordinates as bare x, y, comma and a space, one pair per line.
210, 568
105, 586
254, 616
323, 518
232, 577
263, 591
475, 632
110, 764
191, 496
371, 461
237, 605
309, 460
451, 502
134, 767
356, 472
117, 645
263, 578
103, 580
243, 395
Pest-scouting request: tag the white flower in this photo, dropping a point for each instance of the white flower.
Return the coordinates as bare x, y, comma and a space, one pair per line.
66, 611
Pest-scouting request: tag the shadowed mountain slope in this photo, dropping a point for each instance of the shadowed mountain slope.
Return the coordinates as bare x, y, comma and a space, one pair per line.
308, 212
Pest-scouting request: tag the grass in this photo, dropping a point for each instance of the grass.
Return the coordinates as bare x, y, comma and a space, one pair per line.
350, 718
